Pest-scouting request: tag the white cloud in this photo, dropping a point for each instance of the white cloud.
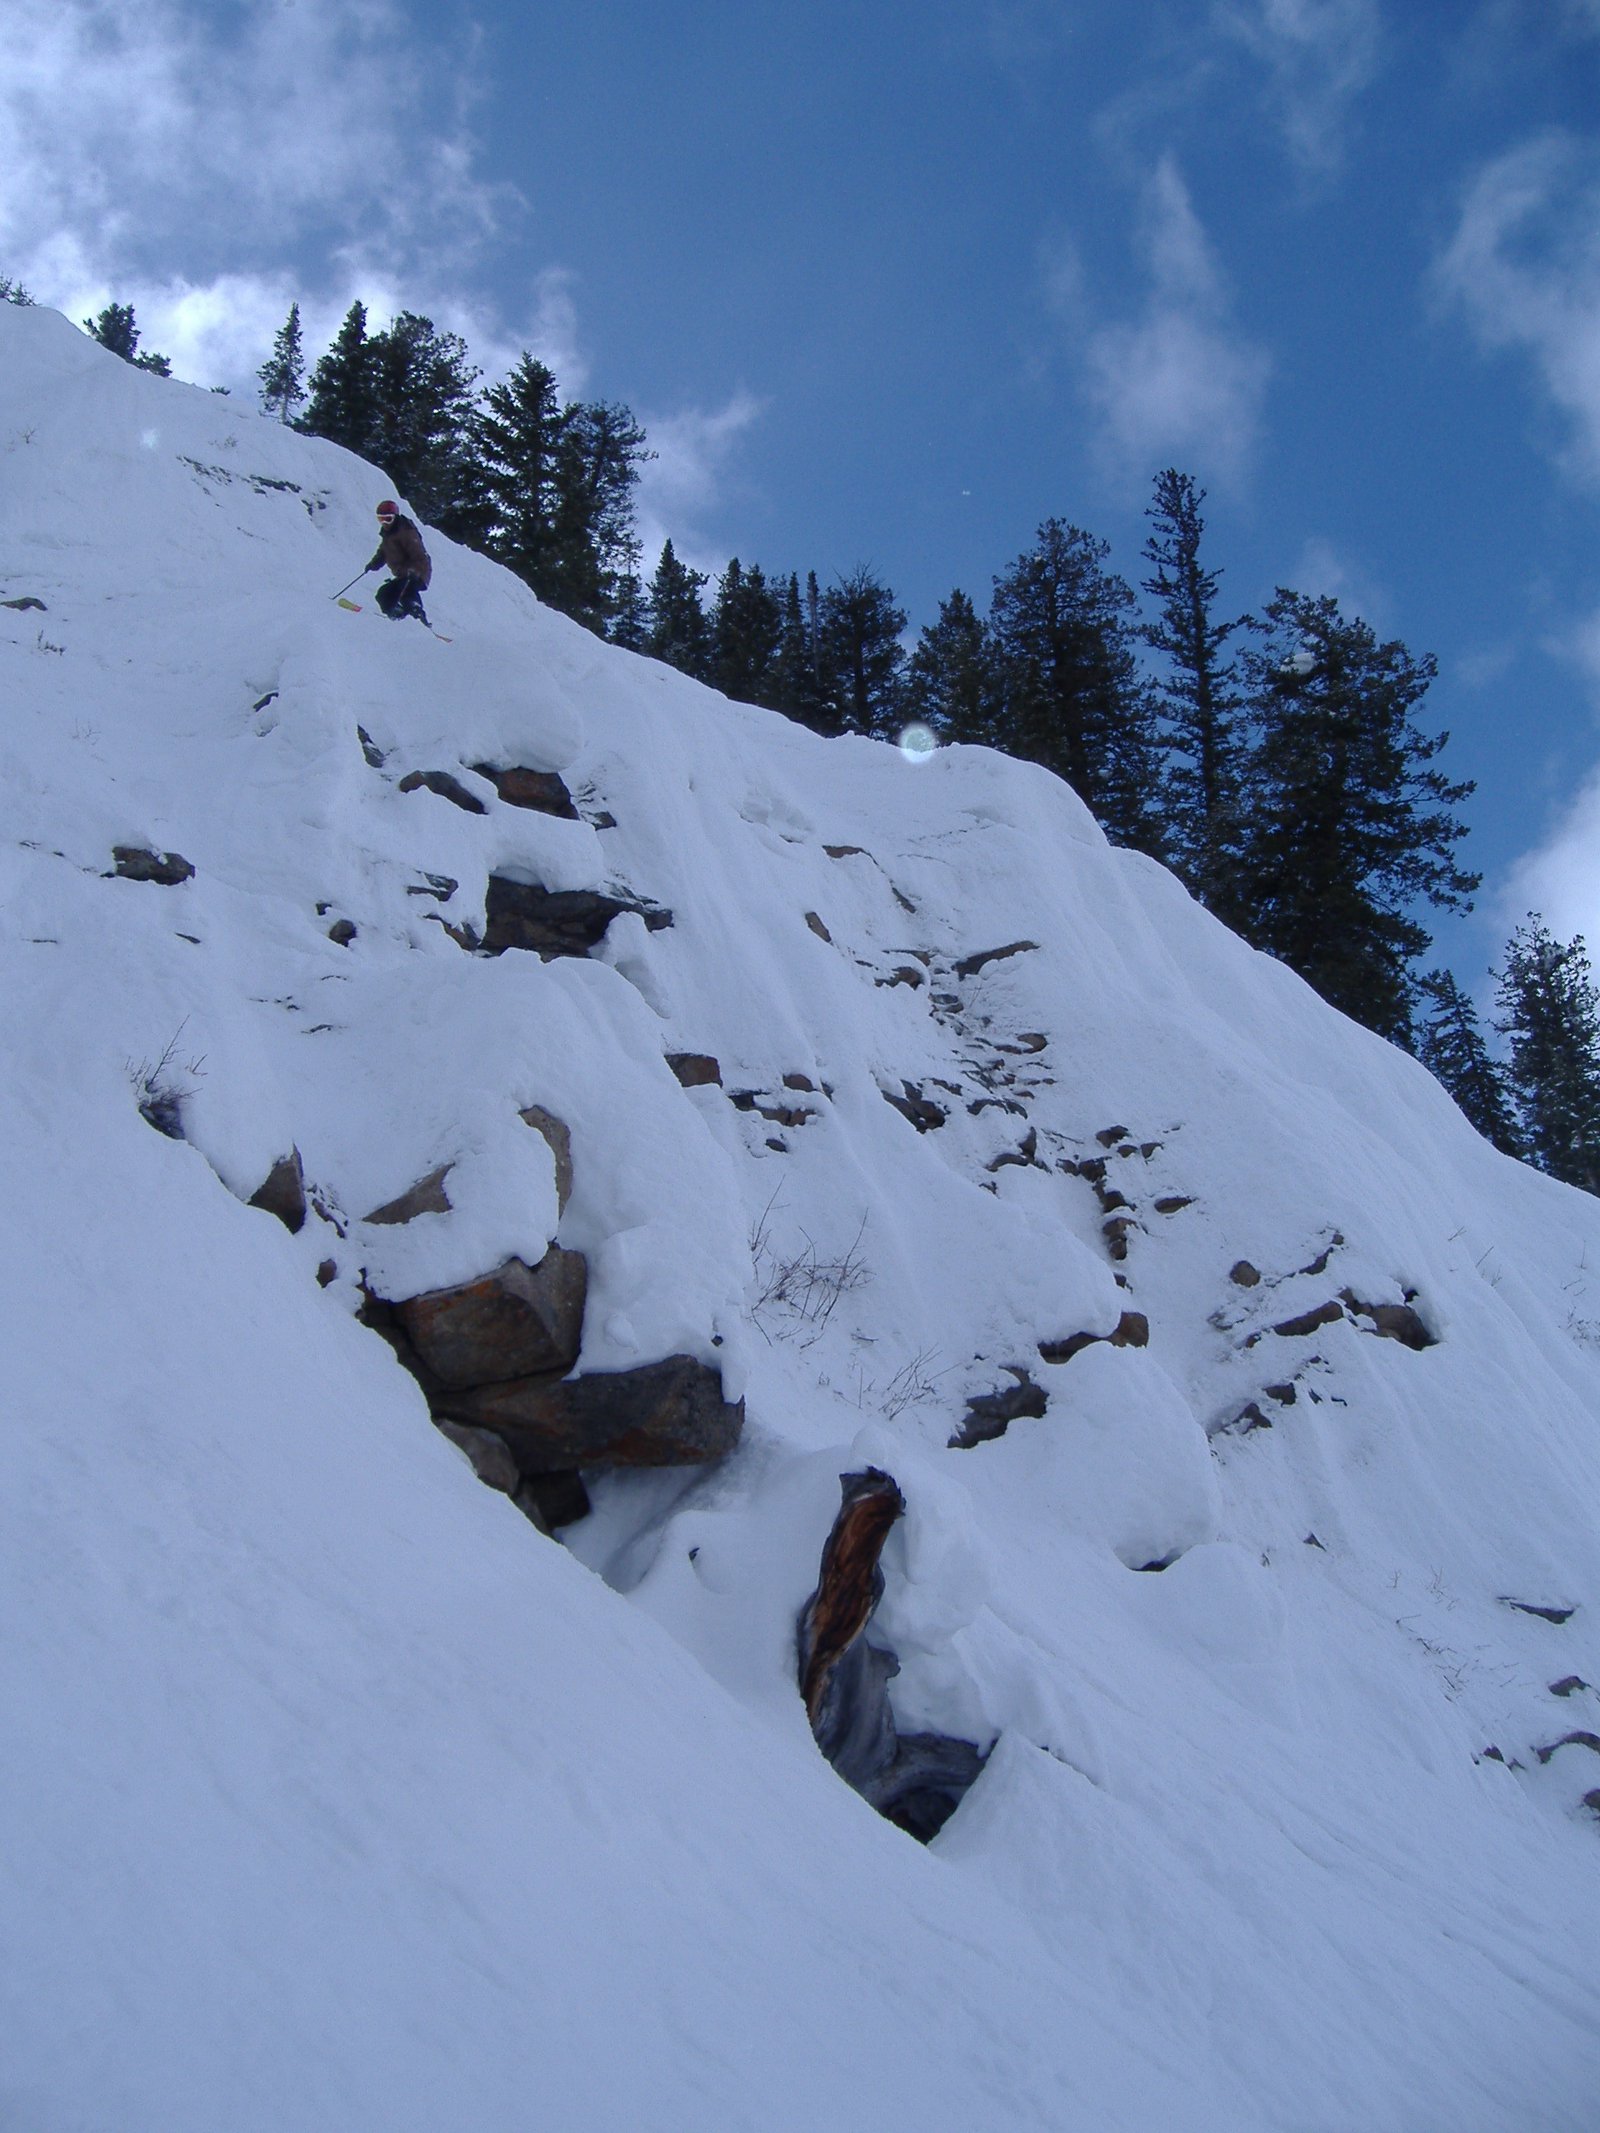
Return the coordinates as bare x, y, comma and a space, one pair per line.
1322, 570
1560, 877
180, 156
1179, 383
1524, 265
1318, 55
681, 487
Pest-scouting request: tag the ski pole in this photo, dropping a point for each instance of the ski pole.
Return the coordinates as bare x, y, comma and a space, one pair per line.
343, 589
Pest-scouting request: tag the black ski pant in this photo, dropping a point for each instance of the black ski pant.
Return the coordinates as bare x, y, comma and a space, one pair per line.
401, 596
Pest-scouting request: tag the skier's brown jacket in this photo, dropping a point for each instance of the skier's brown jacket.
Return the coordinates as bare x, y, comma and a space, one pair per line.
401, 548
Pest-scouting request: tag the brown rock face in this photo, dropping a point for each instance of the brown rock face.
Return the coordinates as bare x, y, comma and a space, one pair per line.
541, 790
284, 1192
447, 787
670, 1413
426, 1197
554, 1131
509, 1324
695, 1070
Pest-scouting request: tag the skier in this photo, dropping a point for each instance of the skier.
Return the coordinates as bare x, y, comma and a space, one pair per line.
400, 546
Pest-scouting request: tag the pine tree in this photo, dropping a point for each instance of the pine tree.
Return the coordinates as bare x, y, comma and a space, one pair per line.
116, 329
679, 632
1350, 829
950, 675
283, 374
1550, 1011
1200, 695
12, 292
860, 656
595, 547
516, 459
1068, 688
343, 404
630, 620
1451, 1046
746, 633
424, 400
797, 688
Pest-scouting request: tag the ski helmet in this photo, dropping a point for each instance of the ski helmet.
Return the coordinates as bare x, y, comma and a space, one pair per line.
388, 508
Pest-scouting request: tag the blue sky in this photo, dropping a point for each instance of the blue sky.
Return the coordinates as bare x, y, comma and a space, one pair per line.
893, 284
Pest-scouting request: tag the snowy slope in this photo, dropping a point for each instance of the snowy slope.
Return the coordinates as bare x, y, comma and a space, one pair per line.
335, 1796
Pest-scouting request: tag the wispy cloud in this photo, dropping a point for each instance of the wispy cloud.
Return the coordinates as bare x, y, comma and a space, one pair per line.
1524, 266
1320, 569
684, 485
181, 156
1179, 382
1560, 876
1317, 56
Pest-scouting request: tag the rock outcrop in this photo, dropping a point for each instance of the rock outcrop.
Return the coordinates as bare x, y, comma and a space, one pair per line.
552, 922
517, 1322
915, 1780
670, 1413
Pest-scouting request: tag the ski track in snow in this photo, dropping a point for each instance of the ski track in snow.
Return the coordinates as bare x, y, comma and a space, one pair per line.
335, 1796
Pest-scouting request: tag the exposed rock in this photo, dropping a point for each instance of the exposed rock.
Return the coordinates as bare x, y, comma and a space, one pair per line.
670, 1413
1132, 1330
426, 1197
970, 965
1247, 1419
916, 1780
1312, 1321
1173, 1203
463, 935
838, 1677
844, 851
507, 1325
283, 1192
922, 1111
696, 1070
1569, 1685
1109, 1136
441, 886
1284, 1394
327, 1273
1116, 1232
541, 790
555, 1132
342, 932
447, 787
490, 1456
552, 922
135, 863
1533, 1607
26, 601
1243, 1275
553, 1500
904, 974
990, 1414
1394, 1322
1025, 1153
802, 1082
1590, 1741
818, 928
369, 748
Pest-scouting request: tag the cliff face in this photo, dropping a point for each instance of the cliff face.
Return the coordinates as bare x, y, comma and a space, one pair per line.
681, 1115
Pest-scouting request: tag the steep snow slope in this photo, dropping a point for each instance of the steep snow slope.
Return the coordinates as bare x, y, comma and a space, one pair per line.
336, 1796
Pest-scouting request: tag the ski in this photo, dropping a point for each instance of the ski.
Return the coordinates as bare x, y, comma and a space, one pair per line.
354, 607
